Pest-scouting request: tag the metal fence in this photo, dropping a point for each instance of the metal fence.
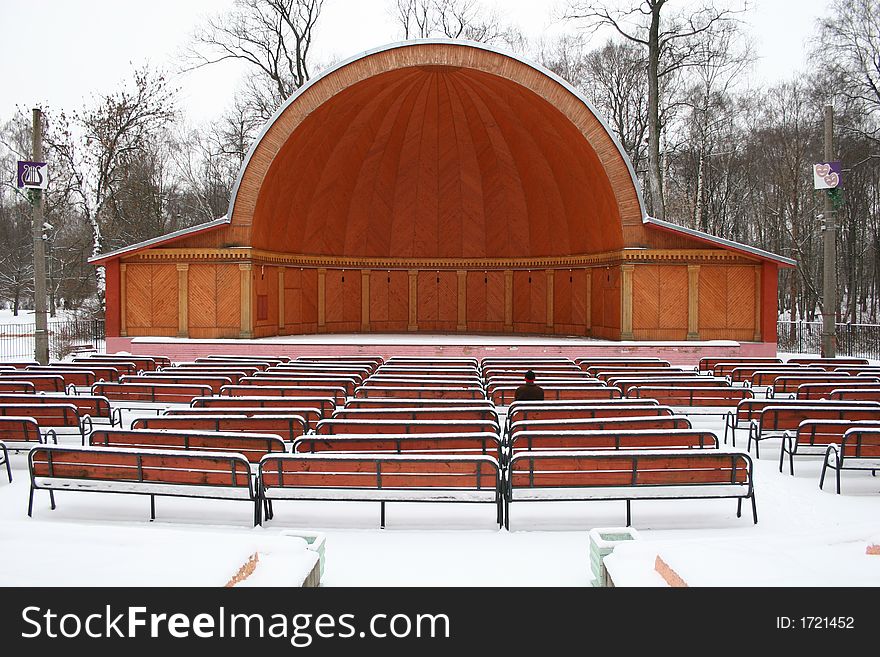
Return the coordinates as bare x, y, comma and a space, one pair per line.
65, 337
860, 340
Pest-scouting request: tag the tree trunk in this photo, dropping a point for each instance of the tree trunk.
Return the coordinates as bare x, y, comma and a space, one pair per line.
654, 177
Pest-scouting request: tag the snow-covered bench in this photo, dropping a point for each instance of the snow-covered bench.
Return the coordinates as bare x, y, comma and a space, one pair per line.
155, 473
629, 475
286, 425
859, 449
380, 478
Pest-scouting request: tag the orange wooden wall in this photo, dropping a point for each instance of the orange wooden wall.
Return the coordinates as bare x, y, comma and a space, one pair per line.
727, 302
151, 299
660, 302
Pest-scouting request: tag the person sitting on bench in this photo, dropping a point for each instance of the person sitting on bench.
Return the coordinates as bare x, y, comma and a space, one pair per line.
529, 391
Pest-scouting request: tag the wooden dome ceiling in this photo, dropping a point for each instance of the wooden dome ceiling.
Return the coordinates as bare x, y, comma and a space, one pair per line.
450, 151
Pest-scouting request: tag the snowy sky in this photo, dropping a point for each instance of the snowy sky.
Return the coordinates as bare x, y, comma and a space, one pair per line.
60, 52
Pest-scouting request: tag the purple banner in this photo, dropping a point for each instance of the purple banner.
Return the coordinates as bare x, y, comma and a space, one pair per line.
827, 175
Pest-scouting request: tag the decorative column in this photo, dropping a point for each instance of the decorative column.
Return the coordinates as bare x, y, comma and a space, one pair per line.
508, 300
550, 299
365, 300
123, 304
758, 292
322, 299
413, 324
280, 299
588, 301
182, 300
247, 330
626, 302
462, 300
693, 302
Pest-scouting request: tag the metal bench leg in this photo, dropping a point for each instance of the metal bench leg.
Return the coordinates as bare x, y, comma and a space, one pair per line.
822, 476
628, 514
754, 508
52, 499
739, 504
152, 508
382, 515
507, 514
837, 472
31, 503
8, 467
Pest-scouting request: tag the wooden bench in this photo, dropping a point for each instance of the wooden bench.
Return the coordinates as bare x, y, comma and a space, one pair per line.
809, 391
621, 363
709, 363
504, 396
56, 416
309, 415
381, 478
342, 426
424, 380
767, 378
17, 387
41, 382
275, 359
637, 474
214, 383
426, 413
748, 411
432, 392
610, 439
18, 364
4, 460
122, 367
775, 421
145, 363
324, 405
855, 394
434, 361
302, 380
224, 369
856, 370
176, 473
859, 449
812, 438
636, 373
19, 432
695, 381
655, 422
96, 407
263, 362
253, 446
149, 393
828, 362
288, 427
578, 380
337, 394
74, 376
789, 384
175, 373
413, 402
747, 373
519, 411
698, 400
727, 368
485, 443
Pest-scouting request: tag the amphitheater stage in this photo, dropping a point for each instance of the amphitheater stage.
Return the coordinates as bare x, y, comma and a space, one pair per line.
438, 345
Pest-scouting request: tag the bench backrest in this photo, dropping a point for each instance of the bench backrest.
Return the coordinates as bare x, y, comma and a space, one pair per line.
429, 413
253, 446
504, 395
386, 472
146, 363
790, 383
337, 394
832, 362
342, 426
95, 406
825, 432
46, 415
400, 382
710, 363
768, 377
414, 403
746, 373
18, 364
41, 382
654, 422
696, 381
634, 373
849, 393
123, 367
691, 396
824, 390
19, 429
431, 392
629, 469
185, 468
477, 443
215, 383
176, 373
783, 418
151, 392
617, 439
73, 376
750, 409
102, 372
309, 415
323, 405
640, 408
288, 427
861, 443
17, 387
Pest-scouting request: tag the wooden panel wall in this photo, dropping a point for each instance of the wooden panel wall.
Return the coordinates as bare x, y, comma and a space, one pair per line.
300, 300
605, 304
342, 313
437, 301
389, 301
660, 302
485, 301
529, 301
214, 301
151, 299
727, 302
266, 289
570, 302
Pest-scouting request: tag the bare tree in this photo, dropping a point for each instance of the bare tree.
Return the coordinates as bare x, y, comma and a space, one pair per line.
671, 44
455, 19
849, 45
273, 37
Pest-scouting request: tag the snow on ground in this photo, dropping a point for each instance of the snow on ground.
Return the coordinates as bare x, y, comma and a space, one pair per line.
805, 537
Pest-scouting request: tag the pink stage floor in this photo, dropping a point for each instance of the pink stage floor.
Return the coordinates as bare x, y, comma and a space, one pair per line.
439, 345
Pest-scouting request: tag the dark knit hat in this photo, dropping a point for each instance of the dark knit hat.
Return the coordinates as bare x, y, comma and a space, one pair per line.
530, 375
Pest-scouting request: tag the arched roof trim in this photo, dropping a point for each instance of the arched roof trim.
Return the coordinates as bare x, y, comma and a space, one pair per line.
420, 42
